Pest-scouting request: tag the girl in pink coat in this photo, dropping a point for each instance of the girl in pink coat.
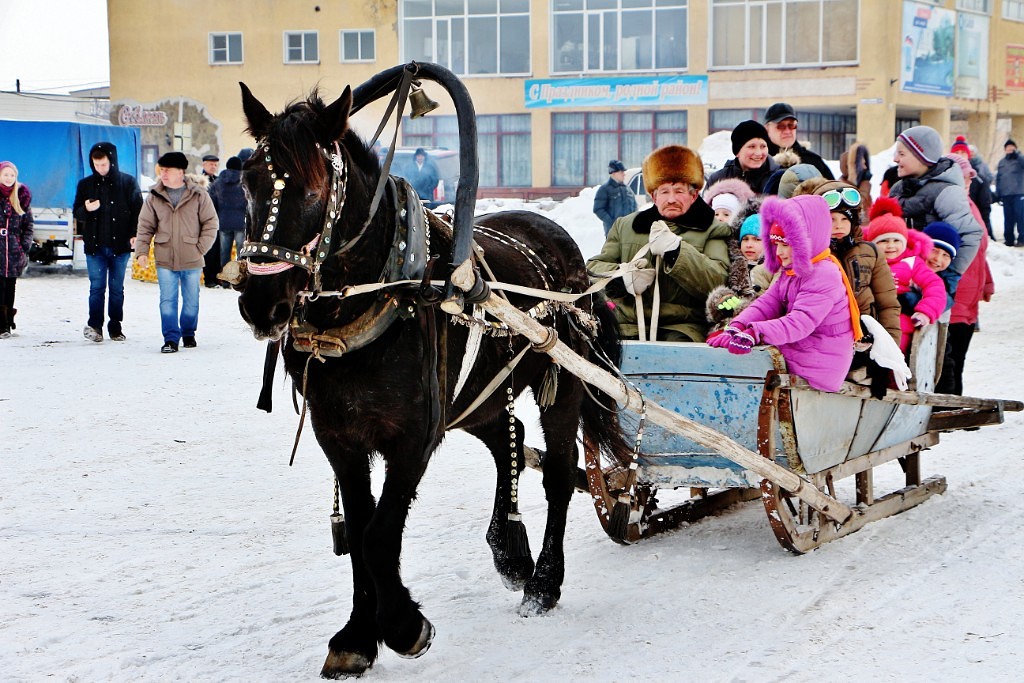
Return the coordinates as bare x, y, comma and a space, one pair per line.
809, 312
921, 292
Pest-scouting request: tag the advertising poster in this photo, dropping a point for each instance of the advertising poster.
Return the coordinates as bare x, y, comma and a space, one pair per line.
1015, 67
972, 56
927, 55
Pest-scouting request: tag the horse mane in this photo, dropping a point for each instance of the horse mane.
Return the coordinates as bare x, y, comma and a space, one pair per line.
293, 132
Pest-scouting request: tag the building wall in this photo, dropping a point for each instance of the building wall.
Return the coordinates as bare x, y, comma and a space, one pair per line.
159, 60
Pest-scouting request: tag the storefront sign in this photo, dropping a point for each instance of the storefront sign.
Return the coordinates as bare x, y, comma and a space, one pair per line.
137, 116
612, 92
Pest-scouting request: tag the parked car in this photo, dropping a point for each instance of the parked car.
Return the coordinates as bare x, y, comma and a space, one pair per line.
635, 182
447, 161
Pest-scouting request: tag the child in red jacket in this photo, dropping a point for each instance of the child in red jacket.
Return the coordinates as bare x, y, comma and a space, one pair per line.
921, 292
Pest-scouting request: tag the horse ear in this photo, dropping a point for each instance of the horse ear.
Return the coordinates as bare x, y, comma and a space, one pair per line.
335, 118
255, 113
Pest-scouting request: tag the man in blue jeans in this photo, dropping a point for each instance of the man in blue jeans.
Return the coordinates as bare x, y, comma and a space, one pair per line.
179, 220
1010, 191
106, 208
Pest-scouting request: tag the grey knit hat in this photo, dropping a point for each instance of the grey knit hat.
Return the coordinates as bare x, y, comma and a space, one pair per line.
924, 142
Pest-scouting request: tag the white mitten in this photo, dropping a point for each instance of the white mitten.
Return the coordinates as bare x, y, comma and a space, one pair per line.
637, 281
662, 240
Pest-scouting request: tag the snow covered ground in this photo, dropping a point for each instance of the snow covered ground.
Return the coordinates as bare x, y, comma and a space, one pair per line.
151, 530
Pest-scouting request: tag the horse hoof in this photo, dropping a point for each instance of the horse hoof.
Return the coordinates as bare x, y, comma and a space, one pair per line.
422, 643
341, 665
534, 605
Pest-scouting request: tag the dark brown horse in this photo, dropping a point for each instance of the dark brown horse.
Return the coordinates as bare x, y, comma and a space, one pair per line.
391, 360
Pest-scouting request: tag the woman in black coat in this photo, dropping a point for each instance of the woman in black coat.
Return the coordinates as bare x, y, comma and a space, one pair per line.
752, 163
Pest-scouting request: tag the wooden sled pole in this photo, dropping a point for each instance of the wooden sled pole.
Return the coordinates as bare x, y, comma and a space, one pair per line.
915, 398
463, 278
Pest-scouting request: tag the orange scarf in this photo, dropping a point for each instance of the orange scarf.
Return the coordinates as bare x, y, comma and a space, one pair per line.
851, 300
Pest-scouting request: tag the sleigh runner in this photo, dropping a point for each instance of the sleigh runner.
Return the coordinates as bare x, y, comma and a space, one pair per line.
737, 428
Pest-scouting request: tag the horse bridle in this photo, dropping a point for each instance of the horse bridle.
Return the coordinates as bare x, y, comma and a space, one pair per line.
315, 252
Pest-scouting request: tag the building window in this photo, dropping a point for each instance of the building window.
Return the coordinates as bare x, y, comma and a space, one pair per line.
358, 46
979, 6
584, 143
503, 145
301, 47
225, 48
773, 33
1013, 9
601, 36
468, 36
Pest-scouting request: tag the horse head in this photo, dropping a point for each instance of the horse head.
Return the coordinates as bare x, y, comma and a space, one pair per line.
306, 163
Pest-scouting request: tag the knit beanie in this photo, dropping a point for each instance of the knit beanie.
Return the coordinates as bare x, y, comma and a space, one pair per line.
944, 236
886, 221
793, 176
234, 164
923, 142
727, 201
1008, 143
8, 164
960, 146
746, 131
751, 226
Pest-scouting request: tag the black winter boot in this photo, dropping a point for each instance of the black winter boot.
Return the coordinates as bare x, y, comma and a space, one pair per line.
5, 325
11, 312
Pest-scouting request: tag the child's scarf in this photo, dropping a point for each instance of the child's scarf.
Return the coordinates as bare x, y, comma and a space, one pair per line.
851, 300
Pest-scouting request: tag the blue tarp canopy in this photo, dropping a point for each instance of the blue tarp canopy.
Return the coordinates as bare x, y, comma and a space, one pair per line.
52, 156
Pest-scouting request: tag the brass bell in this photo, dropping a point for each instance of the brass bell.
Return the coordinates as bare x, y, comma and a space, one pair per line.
421, 102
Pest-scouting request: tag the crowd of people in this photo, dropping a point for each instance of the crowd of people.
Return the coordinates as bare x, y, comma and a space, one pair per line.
772, 249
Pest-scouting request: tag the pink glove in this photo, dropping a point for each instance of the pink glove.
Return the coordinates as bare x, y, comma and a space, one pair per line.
720, 340
743, 340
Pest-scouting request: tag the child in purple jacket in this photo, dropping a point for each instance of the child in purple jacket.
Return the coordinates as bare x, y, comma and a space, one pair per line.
808, 313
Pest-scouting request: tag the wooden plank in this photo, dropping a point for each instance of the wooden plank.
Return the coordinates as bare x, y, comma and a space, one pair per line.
876, 458
865, 487
963, 419
545, 339
910, 397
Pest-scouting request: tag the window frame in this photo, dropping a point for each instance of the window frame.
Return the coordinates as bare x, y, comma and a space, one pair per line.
359, 34
303, 33
986, 10
1018, 5
465, 21
783, 6
601, 17
227, 48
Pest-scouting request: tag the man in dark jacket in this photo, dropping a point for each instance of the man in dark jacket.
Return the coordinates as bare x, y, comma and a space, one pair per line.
781, 122
423, 175
613, 199
211, 260
1010, 191
229, 201
106, 209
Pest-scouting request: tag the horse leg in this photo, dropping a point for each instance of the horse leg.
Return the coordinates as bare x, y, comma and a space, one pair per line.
514, 570
559, 423
354, 648
402, 626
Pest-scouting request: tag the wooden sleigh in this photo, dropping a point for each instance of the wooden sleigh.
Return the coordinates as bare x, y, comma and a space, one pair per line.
735, 428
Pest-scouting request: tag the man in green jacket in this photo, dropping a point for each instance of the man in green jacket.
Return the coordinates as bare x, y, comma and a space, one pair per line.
681, 229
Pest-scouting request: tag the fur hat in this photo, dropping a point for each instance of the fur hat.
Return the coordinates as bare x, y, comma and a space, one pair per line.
173, 160
234, 164
733, 186
923, 142
244, 154
960, 145
1009, 142
672, 164
806, 225
614, 166
886, 221
944, 236
744, 132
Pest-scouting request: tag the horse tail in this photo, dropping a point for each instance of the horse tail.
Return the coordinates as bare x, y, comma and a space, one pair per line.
599, 414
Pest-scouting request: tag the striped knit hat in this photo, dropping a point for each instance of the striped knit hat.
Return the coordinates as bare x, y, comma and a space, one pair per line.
923, 142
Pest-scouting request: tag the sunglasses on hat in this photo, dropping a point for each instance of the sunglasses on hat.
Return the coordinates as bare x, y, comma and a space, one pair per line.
848, 196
